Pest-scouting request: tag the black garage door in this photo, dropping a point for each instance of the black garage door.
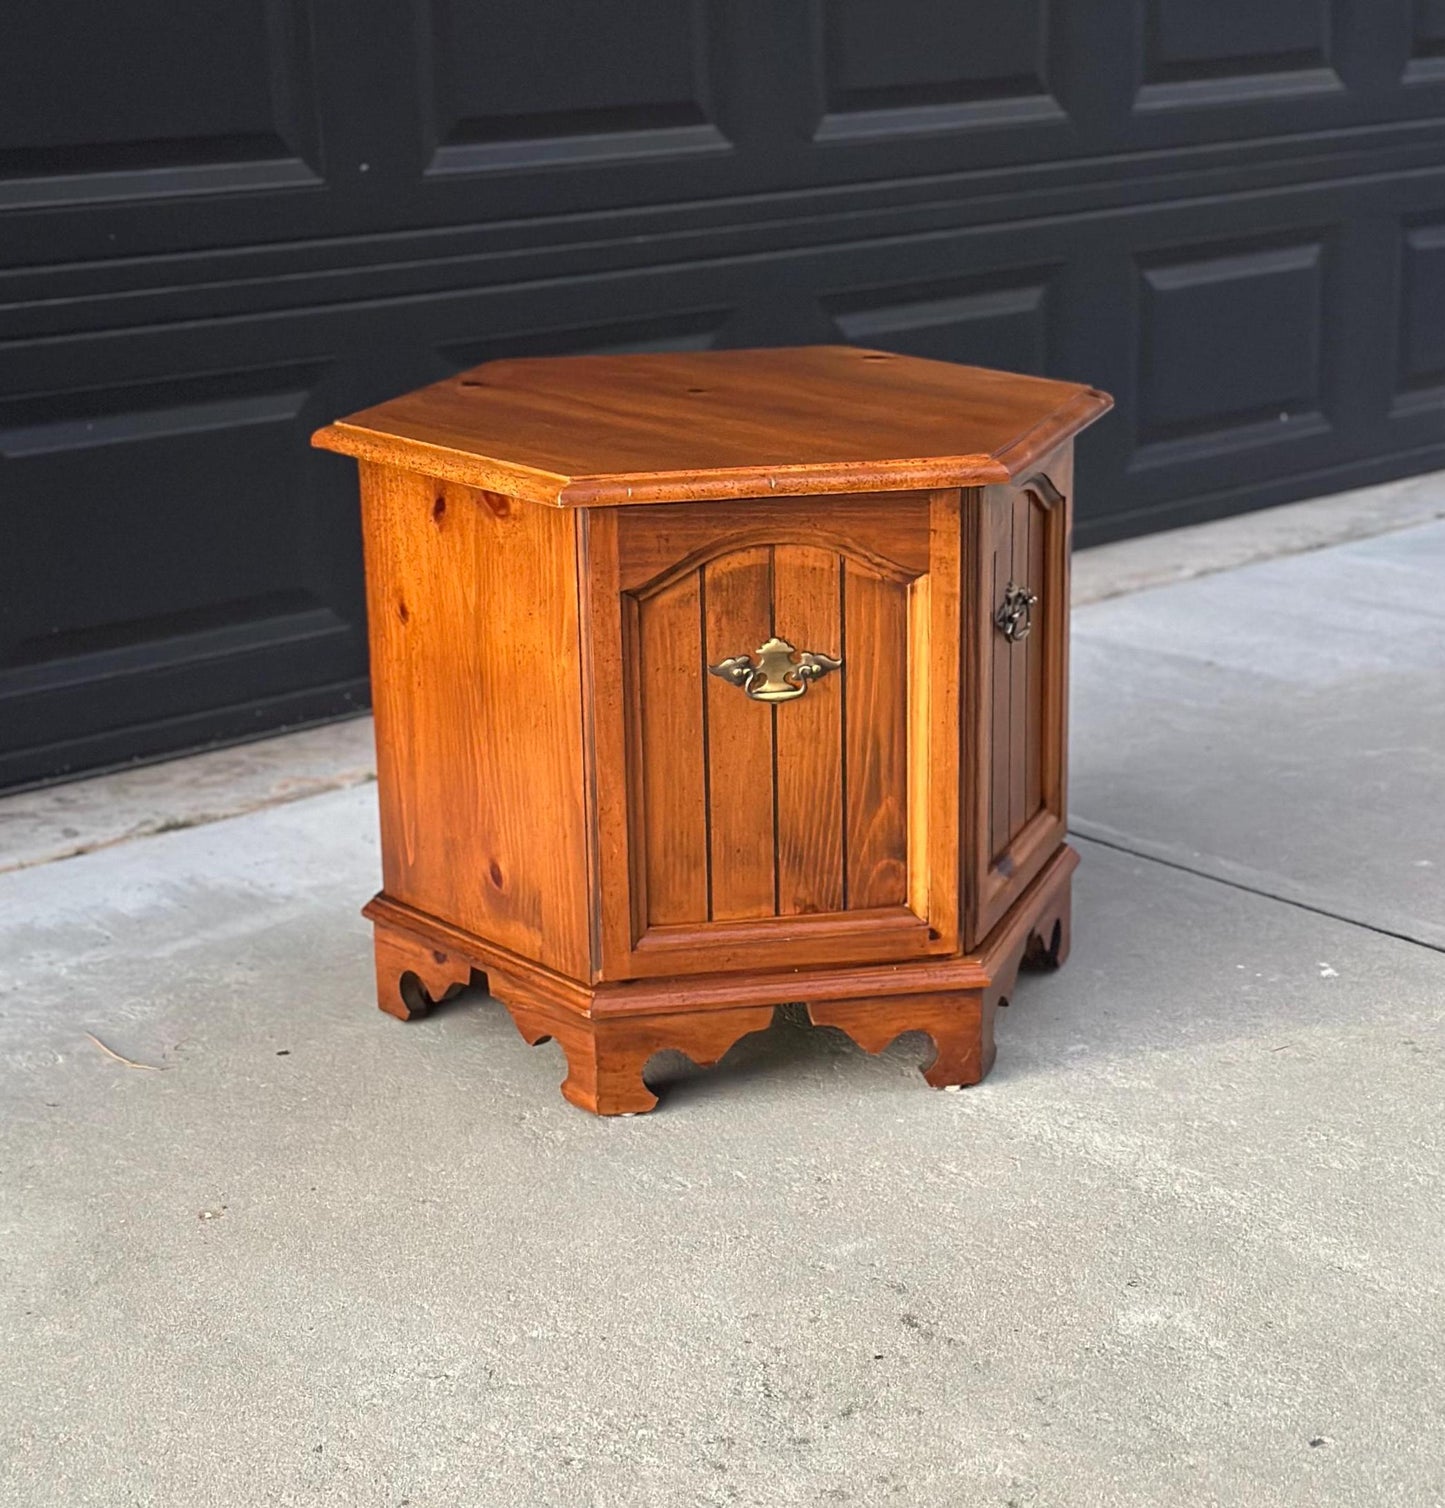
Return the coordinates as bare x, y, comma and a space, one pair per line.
224, 222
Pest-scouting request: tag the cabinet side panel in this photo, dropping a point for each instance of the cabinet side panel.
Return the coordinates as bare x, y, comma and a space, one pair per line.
472, 602
1018, 699
999, 570
1021, 689
1035, 658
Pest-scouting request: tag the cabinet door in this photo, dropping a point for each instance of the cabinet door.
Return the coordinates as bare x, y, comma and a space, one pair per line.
775, 781
1017, 706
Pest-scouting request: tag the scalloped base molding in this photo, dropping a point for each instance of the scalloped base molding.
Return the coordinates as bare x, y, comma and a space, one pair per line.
609, 1031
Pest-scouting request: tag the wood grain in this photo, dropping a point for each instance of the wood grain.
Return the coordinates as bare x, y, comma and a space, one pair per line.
960, 1024
737, 596
1030, 769
809, 737
606, 1059
599, 431
1058, 551
613, 774
412, 974
820, 979
1000, 682
638, 854
472, 608
1016, 713
875, 641
667, 681
913, 544
935, 726
1018, 668
889, 533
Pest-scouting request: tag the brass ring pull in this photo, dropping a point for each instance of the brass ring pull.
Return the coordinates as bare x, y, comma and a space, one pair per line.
775, 676
1015, 617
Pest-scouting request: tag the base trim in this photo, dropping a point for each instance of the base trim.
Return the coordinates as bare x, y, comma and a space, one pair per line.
609, 1030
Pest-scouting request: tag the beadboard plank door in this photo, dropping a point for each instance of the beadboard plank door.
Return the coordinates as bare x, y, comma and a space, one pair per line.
736, 833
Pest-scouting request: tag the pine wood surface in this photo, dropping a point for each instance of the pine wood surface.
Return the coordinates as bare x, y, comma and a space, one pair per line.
599, 431
476, 693
634, 851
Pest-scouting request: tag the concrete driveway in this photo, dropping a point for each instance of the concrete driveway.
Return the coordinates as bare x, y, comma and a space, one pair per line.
1185, 1246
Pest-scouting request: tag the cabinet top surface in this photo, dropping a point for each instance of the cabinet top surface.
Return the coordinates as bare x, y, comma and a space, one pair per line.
589, 431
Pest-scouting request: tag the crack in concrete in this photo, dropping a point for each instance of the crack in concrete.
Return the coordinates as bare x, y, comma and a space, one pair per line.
1087, 832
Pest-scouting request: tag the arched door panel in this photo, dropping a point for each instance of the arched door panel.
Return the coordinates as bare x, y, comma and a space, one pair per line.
777, 672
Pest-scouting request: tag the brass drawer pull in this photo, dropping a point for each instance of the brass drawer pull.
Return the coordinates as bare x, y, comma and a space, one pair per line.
776, 677
1015, 617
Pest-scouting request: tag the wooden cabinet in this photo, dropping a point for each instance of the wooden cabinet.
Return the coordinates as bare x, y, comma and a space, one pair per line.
709, 682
